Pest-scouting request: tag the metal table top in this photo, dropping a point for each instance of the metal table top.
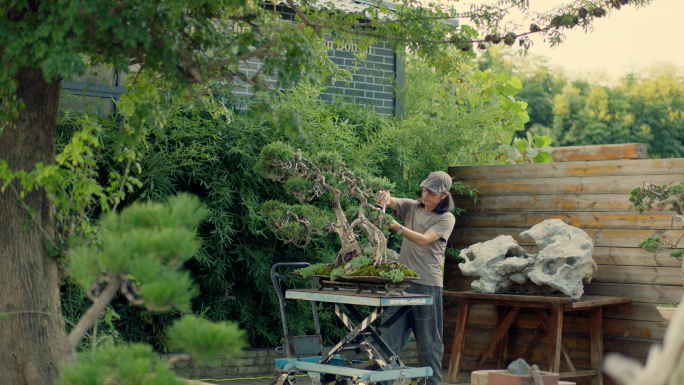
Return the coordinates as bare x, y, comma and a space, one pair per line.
347, 296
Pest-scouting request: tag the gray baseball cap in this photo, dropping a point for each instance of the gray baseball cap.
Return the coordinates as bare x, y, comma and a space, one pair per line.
438, 182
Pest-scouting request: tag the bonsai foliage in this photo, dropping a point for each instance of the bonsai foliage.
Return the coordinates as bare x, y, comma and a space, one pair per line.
139, 253
651, 196
324, 177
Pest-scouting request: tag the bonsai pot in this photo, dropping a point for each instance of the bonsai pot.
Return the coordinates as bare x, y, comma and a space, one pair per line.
502, 377
666, 312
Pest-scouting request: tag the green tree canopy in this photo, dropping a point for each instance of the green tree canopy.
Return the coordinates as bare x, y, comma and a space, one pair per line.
188, 48
644, 108
213, 157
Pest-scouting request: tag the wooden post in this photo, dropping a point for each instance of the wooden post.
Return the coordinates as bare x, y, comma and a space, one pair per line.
459, 340
501, 346
555, 336
597, 344
544, 318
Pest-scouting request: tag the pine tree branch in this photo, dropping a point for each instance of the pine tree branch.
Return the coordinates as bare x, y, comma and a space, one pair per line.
91, 316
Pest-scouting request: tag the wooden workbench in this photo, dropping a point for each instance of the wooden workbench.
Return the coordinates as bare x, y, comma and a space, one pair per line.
514, 303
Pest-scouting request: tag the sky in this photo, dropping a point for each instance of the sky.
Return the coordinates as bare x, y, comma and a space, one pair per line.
626, 40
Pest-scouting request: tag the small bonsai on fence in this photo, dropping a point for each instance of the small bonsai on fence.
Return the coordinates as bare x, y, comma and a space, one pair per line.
651, 195
324, 177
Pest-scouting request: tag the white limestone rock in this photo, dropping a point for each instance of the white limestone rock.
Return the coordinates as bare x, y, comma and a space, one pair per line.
565, 258
495, 261
564, 261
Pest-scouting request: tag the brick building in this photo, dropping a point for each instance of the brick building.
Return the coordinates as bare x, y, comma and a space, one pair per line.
373, 81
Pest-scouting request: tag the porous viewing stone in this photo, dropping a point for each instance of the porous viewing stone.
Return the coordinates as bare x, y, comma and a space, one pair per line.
519, 367
563, 263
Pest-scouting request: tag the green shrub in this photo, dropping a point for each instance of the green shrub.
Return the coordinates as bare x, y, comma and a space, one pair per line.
214, 156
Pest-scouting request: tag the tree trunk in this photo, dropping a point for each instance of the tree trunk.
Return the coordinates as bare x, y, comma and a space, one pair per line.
350, 246
32, 332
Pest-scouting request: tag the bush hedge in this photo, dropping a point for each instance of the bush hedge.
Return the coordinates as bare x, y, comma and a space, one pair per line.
212, 155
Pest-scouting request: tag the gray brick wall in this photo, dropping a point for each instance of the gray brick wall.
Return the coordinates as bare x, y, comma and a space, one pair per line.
372, 82
255, 363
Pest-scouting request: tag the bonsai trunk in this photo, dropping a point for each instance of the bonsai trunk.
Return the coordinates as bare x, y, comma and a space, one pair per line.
377, 239
33, 332
350, 246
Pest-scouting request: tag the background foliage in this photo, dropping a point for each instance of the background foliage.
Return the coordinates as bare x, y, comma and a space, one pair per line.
212, 155
644, 106
190, 49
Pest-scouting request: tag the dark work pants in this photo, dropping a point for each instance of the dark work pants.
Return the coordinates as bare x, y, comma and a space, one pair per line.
426, 323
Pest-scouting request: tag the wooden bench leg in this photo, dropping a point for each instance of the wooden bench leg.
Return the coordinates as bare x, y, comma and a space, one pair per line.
597, 344
544, 318
500, 332
501, 347
459, 341
555, 335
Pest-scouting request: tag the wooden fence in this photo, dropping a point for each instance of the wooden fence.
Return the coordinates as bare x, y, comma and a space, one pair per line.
590, 191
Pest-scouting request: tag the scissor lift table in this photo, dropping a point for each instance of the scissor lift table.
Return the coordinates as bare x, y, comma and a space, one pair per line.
340, 364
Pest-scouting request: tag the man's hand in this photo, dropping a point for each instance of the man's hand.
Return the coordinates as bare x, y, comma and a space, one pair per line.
392, 226
383, 199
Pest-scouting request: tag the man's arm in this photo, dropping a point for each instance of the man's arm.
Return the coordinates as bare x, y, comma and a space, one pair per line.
414, 236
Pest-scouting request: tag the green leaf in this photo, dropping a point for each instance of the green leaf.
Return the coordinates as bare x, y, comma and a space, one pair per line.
542, 141
543, 157
509, 90
521, 144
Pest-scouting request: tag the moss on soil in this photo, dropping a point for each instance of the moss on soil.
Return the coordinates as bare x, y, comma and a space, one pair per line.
370, 270
325, 270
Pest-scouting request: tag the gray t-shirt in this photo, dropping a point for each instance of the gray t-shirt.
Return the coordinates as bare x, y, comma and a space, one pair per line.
425, 260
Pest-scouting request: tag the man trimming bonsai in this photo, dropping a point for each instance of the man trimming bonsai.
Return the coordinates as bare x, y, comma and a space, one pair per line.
428, 223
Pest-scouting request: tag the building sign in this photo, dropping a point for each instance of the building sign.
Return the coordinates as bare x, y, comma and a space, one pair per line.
351, 47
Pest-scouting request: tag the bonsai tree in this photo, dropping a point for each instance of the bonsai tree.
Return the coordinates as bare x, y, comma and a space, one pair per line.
651, 195
325, 178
